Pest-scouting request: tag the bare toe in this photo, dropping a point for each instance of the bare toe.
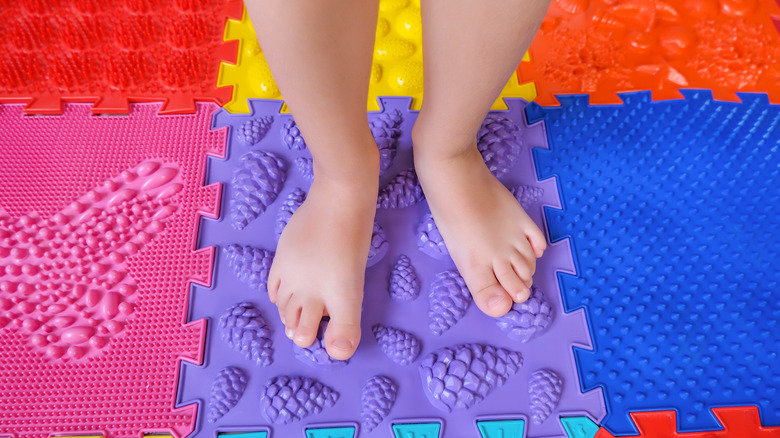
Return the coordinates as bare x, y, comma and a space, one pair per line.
490, 297
537, 240
511, 281
308, 324
292, 315
343, 333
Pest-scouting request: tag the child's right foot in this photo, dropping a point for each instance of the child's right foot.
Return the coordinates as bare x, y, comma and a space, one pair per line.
320, 262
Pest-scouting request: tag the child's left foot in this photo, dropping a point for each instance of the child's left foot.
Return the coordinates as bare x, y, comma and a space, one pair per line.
491, 239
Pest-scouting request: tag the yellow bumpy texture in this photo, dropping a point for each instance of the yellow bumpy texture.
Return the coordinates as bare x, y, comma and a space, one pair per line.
397, 68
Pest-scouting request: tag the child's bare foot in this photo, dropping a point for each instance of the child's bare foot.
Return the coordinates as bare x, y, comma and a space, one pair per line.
320, 261
491, 239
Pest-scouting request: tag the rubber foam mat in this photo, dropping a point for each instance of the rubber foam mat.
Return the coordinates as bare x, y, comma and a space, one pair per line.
397, 68
113, 52
673, 211
98, 218
430, 363
605, 47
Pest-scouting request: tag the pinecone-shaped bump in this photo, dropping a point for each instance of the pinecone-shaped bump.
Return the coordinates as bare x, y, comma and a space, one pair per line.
305, 168
429, 240
291, 135
315, 355
257, 181
385, 129
292, 398
404, 283
498, 141
377, 399
448, 301
527, 319
226, 389
399, 346
402, 191
527, 195
379, 246
544, 391
254, 130
250, 264
289, 206
244, 329
461, 376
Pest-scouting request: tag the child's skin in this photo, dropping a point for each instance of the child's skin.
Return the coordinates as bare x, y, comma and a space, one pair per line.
320, 53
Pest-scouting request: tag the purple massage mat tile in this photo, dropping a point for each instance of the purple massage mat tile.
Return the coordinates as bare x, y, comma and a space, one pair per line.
435, 356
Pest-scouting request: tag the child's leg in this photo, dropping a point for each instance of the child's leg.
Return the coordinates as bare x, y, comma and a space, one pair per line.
320, 55
470, 50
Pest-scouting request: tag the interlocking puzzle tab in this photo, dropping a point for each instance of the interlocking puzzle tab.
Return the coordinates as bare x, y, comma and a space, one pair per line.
604, 47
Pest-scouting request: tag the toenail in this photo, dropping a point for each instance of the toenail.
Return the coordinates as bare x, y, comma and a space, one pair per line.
289, 333
342, 344
495, 301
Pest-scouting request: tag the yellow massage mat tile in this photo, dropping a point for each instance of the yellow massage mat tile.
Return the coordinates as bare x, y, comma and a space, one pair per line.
397, 68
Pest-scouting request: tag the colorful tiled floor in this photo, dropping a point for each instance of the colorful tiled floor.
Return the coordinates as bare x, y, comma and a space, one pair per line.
124, 312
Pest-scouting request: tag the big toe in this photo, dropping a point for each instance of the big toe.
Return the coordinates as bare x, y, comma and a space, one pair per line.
343, 333
493, 300
341, 339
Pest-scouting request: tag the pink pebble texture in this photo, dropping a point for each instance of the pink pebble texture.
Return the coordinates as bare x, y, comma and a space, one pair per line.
544, 390
227, 388
377, 399
68, 272
244, 329
256, 183
448, 301
461, 376
293, 398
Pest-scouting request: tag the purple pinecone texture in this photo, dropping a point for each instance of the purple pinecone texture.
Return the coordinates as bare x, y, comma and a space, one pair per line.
305, 168
378, 247
400, 346
385, 129
429, 240
291, 136
499, 144
293, 201
527, 195
251, 265
378, 398
292, 398
254, 130
402, 191
315, 354
448, 301
524, 320
404, 284
544, 390
226, 389
257, 181
463, 375
244, 329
